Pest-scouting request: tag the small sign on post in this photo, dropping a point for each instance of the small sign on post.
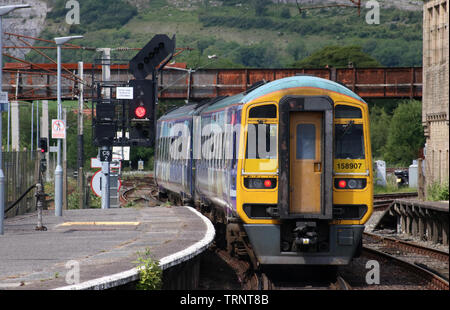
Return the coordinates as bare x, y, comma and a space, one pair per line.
124, 92
3, 101
106, 155
58, 129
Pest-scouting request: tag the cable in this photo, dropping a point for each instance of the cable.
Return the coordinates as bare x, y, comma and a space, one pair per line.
20, 198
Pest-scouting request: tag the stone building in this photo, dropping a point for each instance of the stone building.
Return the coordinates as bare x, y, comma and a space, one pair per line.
435, 108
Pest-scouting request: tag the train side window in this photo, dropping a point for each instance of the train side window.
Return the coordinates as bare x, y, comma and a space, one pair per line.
346, 111
263, 111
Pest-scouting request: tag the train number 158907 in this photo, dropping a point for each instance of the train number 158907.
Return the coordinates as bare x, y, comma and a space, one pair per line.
349, 165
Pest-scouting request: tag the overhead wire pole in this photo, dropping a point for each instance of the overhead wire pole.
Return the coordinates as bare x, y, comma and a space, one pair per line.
59, 171
80, 158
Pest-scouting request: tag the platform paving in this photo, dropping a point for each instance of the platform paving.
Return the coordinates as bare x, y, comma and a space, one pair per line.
104, 244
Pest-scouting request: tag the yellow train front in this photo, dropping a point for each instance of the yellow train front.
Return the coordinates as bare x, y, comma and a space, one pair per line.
301, 182
307, 203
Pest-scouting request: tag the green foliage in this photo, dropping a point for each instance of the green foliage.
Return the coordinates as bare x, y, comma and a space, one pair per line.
285, 13
144, 153
338, 56
391, 186
438, 191
73, 200
95, 202
297, 49
405, 136
379, 130
395, 42
96, 14
150, 274
259, 55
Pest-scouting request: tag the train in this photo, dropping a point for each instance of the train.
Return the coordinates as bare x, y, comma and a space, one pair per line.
284, 169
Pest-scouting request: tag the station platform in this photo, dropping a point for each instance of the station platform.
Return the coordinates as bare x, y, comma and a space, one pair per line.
426, 220
103, 245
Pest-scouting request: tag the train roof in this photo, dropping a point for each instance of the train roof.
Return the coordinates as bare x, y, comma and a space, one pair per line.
225, 102
299, 81
277, 85
181, 112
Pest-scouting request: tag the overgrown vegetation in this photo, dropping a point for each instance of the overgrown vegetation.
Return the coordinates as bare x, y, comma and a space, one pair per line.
95, 14
438, 191
150, 274
240, 33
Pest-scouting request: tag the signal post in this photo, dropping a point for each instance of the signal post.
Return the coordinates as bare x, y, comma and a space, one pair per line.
126, 110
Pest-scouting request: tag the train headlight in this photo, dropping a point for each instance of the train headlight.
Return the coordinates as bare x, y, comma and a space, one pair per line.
350, 183
260, 183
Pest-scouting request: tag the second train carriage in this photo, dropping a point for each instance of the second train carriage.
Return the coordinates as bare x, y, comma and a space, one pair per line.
289, 161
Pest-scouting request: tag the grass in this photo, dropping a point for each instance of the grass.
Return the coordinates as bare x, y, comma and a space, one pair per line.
391, 187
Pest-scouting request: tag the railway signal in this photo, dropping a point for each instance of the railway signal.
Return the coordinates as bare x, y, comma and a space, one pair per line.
142, 106
153, 56
141, 112
43, 145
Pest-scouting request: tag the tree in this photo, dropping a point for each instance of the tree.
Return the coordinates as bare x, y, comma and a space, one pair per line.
285, 13
297, 49
405, 137
379, 130
338, 56
260, 7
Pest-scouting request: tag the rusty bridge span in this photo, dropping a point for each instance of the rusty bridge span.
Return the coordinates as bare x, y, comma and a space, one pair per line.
28, 82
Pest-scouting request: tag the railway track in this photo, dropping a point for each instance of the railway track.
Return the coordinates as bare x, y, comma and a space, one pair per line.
282, 279
382, 201
430, 264
140, 190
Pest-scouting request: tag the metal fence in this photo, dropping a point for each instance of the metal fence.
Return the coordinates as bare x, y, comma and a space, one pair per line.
21, 172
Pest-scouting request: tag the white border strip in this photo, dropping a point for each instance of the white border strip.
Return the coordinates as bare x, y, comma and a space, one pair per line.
165, 262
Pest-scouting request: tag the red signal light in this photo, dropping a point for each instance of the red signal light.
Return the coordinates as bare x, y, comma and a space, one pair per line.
42, 151
140, 112
342, 184
268, 183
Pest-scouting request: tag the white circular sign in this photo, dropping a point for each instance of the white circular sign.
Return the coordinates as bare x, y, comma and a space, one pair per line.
96, 183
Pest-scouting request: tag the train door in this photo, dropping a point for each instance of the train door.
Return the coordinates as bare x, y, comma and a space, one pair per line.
305, 157
306, 162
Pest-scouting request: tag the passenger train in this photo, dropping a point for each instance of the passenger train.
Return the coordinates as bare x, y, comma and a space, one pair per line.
283, 169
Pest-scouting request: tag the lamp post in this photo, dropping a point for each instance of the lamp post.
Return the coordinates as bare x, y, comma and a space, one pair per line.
5, 9
59, 171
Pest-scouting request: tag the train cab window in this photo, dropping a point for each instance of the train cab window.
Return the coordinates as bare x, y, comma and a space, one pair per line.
263, 111
261, 141
346, 111
349, 141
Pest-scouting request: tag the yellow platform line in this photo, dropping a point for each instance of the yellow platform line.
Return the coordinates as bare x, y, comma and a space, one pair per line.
100, 223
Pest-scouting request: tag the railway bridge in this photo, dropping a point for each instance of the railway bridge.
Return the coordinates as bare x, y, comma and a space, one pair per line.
27, 81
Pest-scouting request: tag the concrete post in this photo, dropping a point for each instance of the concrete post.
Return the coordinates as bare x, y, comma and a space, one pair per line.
15, 128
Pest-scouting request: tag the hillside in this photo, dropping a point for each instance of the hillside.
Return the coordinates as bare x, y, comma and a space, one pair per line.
242, 33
